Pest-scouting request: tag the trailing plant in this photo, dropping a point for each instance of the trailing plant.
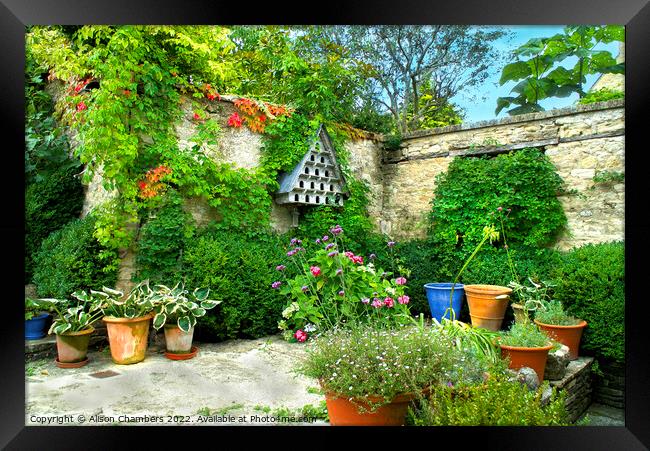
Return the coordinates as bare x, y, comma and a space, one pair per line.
69, 260
553, 313
473, 188
74, 316
591, 286
498, 402
608, 178
179, 305
335, 287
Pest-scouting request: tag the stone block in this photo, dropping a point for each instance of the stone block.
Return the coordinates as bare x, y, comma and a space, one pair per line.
556, 364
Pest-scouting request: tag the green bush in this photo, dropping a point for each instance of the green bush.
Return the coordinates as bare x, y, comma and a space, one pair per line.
68, 261
472, 188
50, 203
591, 286
601, 95
238, 272
498, 402
161, 242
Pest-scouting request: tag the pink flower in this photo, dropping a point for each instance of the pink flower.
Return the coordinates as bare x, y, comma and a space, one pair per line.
336, 230
341, 293
300, 335
349, 254
315, 271
377, 303
291, 253
403, 299
499, 208
358, 259
325, 238
400, 281
280, 267
389, 302
81, 106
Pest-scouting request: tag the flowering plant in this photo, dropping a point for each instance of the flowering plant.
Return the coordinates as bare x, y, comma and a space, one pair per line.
335, 286
364, 362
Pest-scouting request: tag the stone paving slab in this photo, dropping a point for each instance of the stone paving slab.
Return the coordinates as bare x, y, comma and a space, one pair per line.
228, 383
602, 415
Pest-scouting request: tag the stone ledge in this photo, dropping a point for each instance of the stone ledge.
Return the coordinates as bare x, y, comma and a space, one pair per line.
577, 386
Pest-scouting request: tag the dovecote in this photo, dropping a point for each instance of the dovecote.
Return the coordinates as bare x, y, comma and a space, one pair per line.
317, 179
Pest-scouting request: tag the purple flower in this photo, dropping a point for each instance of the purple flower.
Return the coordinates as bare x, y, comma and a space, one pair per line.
325, 238
333, 254
365, 300
391, 243
339, 271
294, 241
329, 246
372, 256
304, 288
336, 230
317, 240
291, 253
341, 293
276, 284
280, 267
449, 384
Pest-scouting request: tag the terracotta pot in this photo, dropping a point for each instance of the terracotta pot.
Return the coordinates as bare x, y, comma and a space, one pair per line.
71, 365
519, 313
484, 309
343, 412
520, 357
177, 341
72, 347
189, 355
128, 338
567, 335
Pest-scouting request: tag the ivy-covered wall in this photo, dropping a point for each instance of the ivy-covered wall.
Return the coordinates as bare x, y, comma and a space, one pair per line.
585, 143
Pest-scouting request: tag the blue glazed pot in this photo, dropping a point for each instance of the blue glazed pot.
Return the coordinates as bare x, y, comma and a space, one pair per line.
35, 327
438, 297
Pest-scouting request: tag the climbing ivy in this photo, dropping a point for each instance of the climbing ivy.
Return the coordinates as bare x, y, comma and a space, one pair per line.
473, 188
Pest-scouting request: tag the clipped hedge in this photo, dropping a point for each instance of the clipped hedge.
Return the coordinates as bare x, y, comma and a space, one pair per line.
68, 260
50, 203
591, 285
239, 272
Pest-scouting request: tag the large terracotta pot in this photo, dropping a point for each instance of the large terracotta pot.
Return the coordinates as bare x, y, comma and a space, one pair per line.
72, 347
520, 357
484, 309
567, 335
177, 341
343, 412
128, 338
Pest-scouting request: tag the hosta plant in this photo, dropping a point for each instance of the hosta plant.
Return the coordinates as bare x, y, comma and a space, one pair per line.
74, 316
137, 304
179, 305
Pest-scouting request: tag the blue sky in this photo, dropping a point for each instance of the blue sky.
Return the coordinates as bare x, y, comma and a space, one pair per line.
485, 102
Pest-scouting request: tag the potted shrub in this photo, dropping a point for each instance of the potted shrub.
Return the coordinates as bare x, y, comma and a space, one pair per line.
531, 298
176, 309
73, 328
370, 376
553, 320
127, 321
36, 319
525, 346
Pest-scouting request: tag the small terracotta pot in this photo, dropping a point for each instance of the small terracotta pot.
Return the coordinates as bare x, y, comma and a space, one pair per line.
128, 338
343, 412
177, 341
520, 357
484, 309
72, 347
189, 355
567, 335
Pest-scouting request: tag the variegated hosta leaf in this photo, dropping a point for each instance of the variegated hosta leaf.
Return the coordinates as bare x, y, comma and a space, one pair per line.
171, 308
192, 321
62, 328
208, 304
53, 300
191, 305
158, 309
201, 293
198, 312
112, 292
130, 312
81, 295
83, 318
184, 323
74, 310
159, 321
99, 293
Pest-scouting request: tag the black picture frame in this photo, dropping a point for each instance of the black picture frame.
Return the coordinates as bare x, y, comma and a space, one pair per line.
635, 14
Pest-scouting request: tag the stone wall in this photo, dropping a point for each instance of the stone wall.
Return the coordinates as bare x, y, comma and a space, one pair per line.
577, 385
581, 141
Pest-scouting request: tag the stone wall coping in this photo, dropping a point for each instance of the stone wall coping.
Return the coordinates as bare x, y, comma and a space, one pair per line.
567, 111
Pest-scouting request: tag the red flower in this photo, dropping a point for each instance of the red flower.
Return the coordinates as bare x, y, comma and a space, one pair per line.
262, 118
81, 106
127, 92
142, 184
235, 120
196, 117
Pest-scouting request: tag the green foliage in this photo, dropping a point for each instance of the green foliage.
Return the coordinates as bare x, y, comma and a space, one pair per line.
286, 141
161, 242
553, 313
542, 75
601, 95
362, 362
238, 271
68, 260
608, 177
50, 203
498, 402
180, 306
34, 307
430, 111
591, 286
74, 316
473, 188
524, 335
